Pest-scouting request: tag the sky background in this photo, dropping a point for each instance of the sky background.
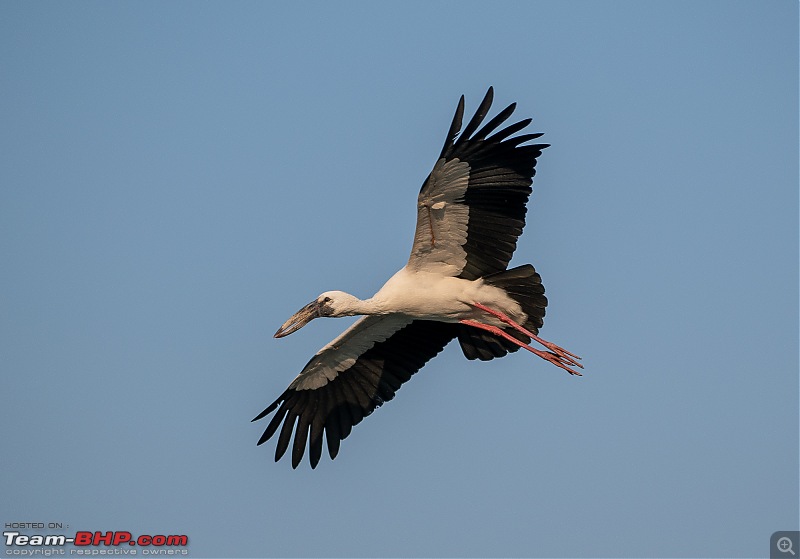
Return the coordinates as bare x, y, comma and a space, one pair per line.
176, 179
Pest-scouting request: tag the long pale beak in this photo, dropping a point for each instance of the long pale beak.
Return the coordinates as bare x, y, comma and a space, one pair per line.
299, 319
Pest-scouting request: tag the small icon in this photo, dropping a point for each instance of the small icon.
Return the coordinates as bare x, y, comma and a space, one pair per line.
784, 545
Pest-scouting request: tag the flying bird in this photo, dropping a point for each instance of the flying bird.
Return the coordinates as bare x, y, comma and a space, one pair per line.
470, 212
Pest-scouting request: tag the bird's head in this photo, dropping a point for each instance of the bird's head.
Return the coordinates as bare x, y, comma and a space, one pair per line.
330, 303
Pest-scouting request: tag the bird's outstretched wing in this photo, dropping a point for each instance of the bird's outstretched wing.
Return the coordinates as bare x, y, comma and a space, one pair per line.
348, 378
471, 208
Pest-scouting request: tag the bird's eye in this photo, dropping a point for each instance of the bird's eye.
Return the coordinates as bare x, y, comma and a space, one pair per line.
326, 300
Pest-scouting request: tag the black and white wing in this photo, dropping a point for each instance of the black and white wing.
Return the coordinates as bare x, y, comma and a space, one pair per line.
348, 378
471, 208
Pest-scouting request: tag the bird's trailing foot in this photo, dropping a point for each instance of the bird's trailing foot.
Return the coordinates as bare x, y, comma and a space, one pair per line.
553, 358
563, 356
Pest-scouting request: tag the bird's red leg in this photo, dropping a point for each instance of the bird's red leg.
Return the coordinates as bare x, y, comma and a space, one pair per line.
557, 360
568, 356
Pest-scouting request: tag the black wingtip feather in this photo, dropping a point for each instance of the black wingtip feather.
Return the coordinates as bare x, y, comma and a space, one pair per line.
455, 126
316, 430
267, 411
273, 425
300, 439
333, 433
501, 117
508, 131
480, 114
286, 434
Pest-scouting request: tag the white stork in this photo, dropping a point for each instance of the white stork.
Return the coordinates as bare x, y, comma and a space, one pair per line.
470, 212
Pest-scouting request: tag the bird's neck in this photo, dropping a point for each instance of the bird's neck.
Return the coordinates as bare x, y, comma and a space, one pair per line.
371, 306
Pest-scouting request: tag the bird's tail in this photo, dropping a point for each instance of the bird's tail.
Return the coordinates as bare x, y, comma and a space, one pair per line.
524, 285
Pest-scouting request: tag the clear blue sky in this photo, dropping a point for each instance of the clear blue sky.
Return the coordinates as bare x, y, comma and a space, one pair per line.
177, 178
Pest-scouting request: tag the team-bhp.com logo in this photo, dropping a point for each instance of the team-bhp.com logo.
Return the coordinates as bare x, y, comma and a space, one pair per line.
88, 542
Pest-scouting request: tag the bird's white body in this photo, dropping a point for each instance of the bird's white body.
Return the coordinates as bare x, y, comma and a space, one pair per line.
429, 296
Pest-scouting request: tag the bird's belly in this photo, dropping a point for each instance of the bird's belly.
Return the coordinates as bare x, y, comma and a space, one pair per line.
447, 299
435, 309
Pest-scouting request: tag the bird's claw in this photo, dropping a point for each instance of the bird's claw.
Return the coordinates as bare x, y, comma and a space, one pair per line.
562, 362
563, 354
561, 351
